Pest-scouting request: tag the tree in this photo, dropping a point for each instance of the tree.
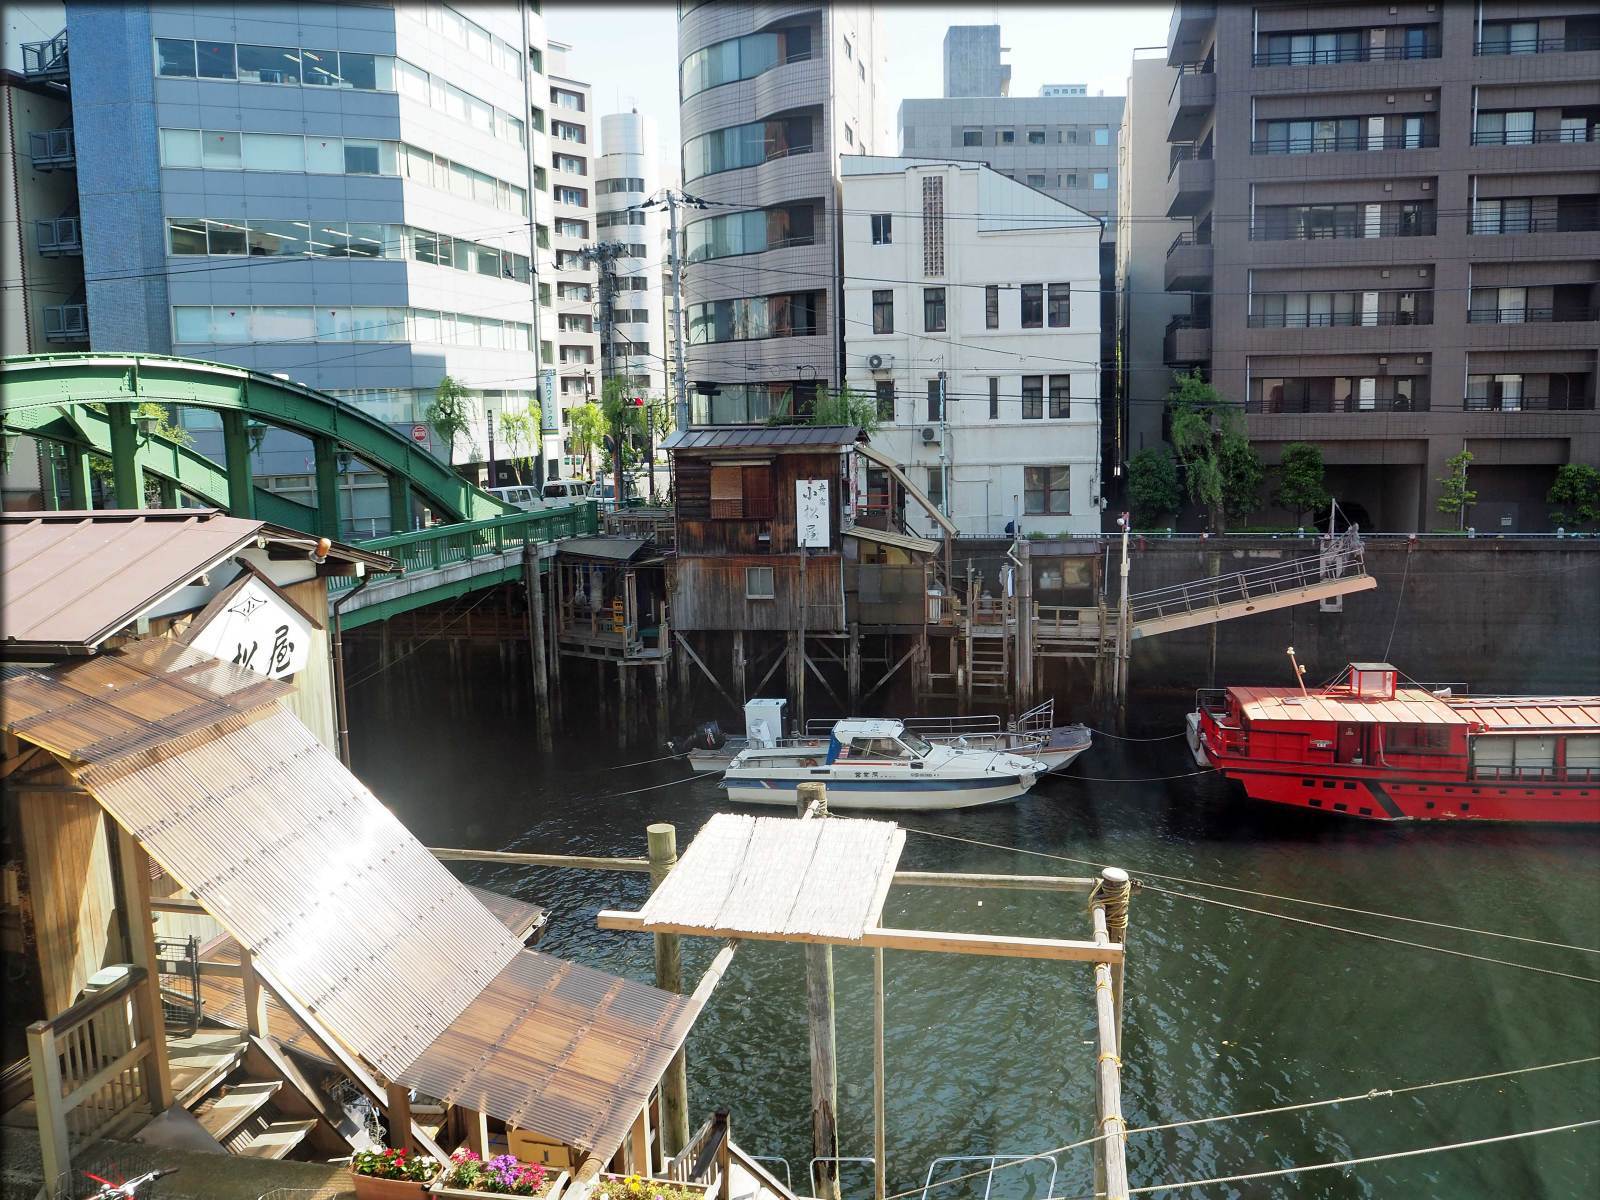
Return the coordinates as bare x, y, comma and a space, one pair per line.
1300, 480
1455, 497
622, 407
1153, 490
587, 429
1577, 490
450, 415
521, 432
845, 406
1221, 470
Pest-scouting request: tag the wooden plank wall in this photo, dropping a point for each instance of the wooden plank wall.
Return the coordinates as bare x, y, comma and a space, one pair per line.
70, 888
698, 533
709, 593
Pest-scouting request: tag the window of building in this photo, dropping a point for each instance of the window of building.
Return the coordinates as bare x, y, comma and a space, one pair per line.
175, 58
882, 228
1101, 181
570, 164
268, 64
746, 145
214, 59
861, 70
1033, 397
994, 398
972, 137
1058, 309
935, 400
1070, 179
1036, 181
883, 311
1046, 490
935, 488
1501, 393
991, 306
1005, 137
849, 137
933, 228
760, 583
1070, 137
1032, 305
933, 314
1035, 137
1102, 135
885, 393
848, 53
1060, 397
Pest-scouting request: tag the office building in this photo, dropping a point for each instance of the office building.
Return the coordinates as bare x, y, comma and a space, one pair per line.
629, 175
770, 104
339, 193
1394, 218
984, 362
1152, 251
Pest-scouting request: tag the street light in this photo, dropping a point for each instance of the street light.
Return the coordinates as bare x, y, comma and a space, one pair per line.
147, 423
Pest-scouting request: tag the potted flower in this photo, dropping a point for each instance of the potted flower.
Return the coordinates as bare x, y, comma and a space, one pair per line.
384, 1174
504, 1175
636, 1187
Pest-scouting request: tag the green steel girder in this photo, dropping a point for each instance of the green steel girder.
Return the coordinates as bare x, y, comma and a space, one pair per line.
190, 470
45, 381
384, 609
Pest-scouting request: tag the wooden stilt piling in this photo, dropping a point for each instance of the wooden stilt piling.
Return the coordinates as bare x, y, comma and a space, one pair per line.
1111, 1151
663, 849
534, 588
880, 1165
824, 1056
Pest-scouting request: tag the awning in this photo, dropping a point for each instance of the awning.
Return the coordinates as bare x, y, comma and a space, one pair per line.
900, 541
618, 550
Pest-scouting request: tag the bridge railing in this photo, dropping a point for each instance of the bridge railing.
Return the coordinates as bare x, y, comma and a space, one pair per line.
445, 545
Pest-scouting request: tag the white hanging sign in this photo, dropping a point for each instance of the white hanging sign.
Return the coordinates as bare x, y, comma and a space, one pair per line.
811, 514
258, 629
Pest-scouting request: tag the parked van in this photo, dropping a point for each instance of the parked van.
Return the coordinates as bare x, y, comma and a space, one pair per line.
525, 498
566, 490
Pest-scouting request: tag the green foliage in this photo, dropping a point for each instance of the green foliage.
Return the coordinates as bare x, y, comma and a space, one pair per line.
586, 426
845, 406
1221, 470
382, 1163
1577, 491
166, 425
521, 433
450, 414
1455, 496
1300, 479
1153, 488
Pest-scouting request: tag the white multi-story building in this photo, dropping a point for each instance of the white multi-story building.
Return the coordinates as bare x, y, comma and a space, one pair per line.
972, 314
628, 176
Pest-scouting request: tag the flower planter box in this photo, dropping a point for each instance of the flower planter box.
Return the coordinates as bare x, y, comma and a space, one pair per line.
555, 1184
370, 1187
698, 1189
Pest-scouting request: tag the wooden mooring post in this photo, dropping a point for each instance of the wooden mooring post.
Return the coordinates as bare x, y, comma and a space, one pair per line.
663, 850
824, 1055
536, 640
1111, 1151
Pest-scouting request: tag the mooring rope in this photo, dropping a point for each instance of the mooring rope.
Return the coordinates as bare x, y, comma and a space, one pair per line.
1165, 737
1361, 912
1300, 1106
646, 761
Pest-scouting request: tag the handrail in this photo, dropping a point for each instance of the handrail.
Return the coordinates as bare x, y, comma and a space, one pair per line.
1524, 315
1575, 42
1346, 143
1314, 58
93, 1003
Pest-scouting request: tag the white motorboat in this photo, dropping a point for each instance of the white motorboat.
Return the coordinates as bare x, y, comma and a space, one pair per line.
880, 764
1034, 735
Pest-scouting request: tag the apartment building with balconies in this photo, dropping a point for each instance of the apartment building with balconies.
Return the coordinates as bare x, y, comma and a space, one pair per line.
1397, 206
771, 97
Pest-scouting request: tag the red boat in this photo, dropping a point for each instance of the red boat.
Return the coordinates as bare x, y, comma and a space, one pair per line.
1368, 747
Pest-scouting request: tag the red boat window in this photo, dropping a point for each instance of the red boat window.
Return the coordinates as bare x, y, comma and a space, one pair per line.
1416, 739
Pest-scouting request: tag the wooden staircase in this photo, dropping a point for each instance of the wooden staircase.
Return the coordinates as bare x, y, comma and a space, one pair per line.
259, 1104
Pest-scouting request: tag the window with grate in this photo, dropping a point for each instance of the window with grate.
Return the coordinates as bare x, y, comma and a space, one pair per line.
933, 225
727, 493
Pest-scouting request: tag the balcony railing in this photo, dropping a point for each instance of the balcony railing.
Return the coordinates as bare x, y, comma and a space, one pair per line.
1188, 239
1186, 152
1550, 45
52, 148
1533, 137
1331, 320
46, 60
1573, 220
1347, 54
1528, 402
1346, 143
1532, 316
1185, 321
1347, 404
66, 322
57, 236
1183, 70
1353, 227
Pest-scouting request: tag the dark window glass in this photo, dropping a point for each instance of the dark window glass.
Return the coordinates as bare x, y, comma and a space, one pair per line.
1032, 397
175, 58
359, 70
1032, 305
360, 159
882, 228
935, 401
972, 137
320, 68
226, 237
279, 238
1059, 313
187, 237
933, 310
269, 64
885, 390
1060, 396
883, 312
215, 59
991, 307
1046, 490
994, 398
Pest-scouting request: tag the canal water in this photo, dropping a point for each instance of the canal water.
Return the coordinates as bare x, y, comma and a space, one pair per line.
1228, 1011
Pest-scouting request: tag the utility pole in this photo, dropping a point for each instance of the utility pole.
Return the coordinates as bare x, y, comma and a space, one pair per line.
681, 382
533, 251
604, 255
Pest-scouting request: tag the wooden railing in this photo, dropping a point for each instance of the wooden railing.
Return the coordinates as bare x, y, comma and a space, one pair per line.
88, 1067
707, 1159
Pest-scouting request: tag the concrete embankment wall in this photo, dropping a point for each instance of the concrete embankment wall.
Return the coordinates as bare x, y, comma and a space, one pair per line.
1499, 615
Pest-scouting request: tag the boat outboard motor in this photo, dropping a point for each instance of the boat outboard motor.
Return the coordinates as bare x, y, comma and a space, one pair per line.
705, 737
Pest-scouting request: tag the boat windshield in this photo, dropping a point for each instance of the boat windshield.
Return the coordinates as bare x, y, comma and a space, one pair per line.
917, 746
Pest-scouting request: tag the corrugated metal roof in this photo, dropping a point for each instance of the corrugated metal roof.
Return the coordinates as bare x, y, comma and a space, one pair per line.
775, 875
612, 549
1410, 706
888, 537
72, 579
763, 437
558, 1049
142, 695
1497, 714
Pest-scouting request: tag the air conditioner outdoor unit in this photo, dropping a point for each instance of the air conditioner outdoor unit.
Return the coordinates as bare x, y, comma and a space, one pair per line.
880, 362
930, 434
